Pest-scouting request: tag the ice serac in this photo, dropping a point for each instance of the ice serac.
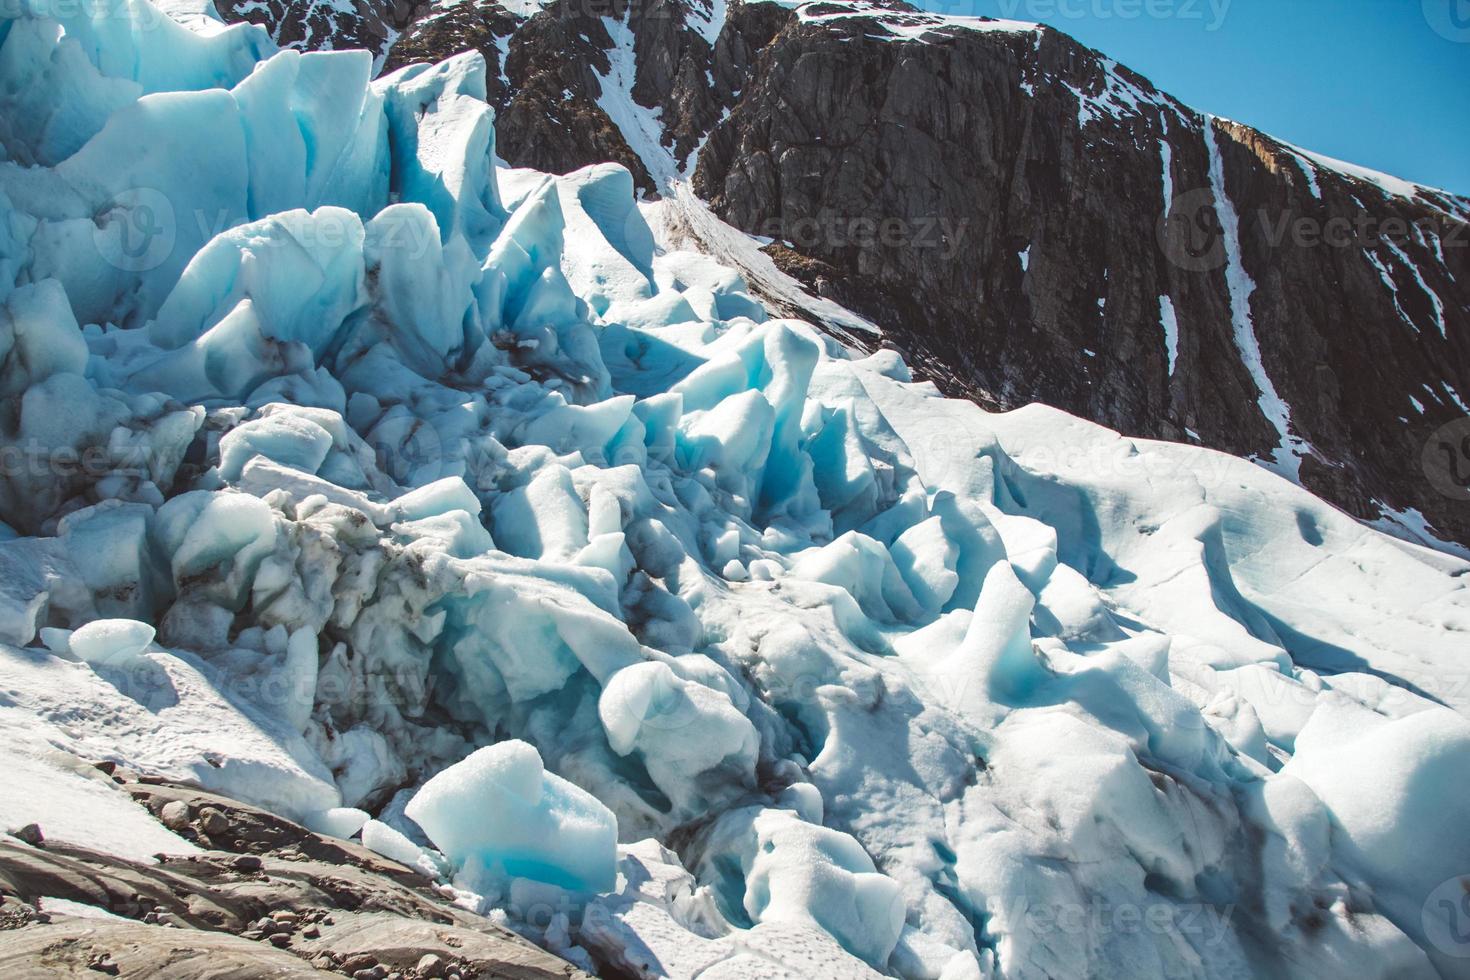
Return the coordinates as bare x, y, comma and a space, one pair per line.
460, 509
499, 812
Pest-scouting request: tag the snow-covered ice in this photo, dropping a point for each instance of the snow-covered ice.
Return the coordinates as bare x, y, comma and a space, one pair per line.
499, 813
455, 507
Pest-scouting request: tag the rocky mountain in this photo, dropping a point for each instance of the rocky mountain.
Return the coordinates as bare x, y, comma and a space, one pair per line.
1024, 218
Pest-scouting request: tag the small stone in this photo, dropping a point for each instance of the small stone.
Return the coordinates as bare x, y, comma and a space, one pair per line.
252, 935
175, 815
311, 932
279, 940
358, 963
102, 963
212, 822
371, 973
151, 780
108, 767
246, 863
430, 966
30, 834
287, 917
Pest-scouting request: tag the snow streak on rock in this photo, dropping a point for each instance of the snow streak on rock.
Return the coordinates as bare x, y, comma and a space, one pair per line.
1287, 459
639, 124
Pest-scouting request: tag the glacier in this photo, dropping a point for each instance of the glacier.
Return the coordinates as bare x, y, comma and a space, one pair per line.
462, 509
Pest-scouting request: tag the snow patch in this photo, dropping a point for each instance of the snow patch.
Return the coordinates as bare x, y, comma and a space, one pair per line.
640, 125
1170, 321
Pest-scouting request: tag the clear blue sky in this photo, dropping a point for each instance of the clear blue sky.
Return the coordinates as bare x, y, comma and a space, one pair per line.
1381, 83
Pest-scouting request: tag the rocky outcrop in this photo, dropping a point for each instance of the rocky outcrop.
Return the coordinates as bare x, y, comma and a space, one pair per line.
552, 75
265, 897
1028, 221
324, 25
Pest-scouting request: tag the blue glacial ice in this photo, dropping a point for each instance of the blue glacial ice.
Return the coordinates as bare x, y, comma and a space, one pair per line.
477, 516
499, 813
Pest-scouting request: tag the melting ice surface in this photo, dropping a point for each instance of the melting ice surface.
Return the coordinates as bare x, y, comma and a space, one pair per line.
458, 499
